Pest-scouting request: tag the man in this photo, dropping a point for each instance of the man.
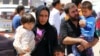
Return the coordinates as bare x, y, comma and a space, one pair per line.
16, 20
70, 31
55, 15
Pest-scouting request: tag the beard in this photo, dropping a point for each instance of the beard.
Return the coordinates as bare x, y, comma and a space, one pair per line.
76, 18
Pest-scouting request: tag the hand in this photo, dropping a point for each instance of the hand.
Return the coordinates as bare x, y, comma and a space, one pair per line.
21, 54
27, 50
82, 23
85, 44
80, 48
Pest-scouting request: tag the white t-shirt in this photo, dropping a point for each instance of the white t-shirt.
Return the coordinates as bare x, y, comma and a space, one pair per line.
23, 39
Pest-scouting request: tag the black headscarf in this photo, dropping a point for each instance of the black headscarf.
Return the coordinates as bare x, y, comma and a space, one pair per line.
48, 42
38, 10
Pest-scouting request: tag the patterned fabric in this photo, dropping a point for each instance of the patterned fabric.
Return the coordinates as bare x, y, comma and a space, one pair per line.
39, 35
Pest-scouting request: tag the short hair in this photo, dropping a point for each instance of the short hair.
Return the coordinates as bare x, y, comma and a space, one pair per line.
68, 6
77, 2
27, 18
87, 4
55, 2
59, 49
20, 8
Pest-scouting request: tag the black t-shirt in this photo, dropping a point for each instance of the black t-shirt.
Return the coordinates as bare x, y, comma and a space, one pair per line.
69, 29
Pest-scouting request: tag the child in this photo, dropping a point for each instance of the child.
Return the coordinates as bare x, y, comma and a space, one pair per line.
87, 25
59, 51
88, 28
24, 41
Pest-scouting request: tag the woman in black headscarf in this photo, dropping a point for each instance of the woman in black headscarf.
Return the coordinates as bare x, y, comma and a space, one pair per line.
46, 35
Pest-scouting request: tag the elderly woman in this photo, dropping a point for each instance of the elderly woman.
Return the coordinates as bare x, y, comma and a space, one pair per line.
46, 35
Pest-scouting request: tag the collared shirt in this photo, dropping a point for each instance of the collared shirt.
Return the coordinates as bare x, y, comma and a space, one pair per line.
55, 19
69, 29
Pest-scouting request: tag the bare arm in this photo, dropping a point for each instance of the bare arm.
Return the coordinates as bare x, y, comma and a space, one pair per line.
71, 40
94, 42
90, 44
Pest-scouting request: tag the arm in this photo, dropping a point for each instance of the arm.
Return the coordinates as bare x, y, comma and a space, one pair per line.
71, 40
25, 41
90, 23
94, 42
65, 39
17, 45
90, 44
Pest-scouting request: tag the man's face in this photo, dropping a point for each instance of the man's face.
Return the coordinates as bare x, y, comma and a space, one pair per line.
73, 13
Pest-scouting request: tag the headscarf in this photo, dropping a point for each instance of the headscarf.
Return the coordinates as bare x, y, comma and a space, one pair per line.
38, 10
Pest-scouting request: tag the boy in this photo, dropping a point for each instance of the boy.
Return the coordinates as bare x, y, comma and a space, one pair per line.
87, 25
24, 41
59, 51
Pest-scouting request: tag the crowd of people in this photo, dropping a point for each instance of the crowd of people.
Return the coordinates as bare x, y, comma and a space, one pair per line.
63, 30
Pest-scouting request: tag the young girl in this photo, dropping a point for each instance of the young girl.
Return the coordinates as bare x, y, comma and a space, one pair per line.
24, 41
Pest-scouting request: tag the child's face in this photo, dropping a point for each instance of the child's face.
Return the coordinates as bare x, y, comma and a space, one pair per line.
29, 26
58, 54
86, 12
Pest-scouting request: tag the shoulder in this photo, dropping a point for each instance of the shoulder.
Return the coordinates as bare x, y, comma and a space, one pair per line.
52, 28
21, 30
64, 21
91, 18
16, 18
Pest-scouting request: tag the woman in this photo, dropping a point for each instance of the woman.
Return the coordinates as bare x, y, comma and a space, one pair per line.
46, 35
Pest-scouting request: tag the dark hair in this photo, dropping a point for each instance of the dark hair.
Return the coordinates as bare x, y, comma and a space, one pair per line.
77, 2
68, 6
59, 49
20, 8
87, 4
33, 9
55, 2
27, 18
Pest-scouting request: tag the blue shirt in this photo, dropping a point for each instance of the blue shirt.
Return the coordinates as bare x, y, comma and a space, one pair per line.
16, 21
89, 29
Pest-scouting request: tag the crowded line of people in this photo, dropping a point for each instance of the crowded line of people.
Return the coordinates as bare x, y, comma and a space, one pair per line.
68, 30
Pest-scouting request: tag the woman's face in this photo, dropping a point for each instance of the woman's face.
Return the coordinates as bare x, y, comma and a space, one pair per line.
43, 17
